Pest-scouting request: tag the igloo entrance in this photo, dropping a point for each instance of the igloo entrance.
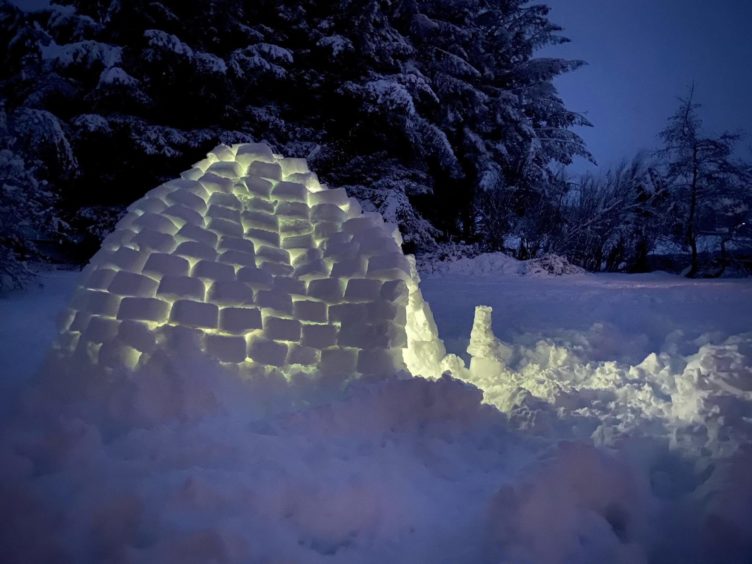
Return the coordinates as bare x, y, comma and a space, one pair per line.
249, 258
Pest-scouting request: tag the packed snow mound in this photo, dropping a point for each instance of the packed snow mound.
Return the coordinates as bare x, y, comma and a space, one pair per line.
488, 264
249, 258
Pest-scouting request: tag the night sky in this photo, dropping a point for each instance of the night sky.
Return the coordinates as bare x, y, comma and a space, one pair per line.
642, 55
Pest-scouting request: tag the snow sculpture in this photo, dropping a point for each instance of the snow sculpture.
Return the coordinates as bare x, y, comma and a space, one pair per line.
249, 258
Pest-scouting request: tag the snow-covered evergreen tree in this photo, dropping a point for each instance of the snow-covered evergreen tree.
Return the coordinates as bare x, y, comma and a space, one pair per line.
434, 112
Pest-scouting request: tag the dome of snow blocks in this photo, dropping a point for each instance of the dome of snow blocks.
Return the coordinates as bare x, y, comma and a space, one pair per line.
264, 267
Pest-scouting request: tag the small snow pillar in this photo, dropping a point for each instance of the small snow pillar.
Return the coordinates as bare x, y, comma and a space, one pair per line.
487, 353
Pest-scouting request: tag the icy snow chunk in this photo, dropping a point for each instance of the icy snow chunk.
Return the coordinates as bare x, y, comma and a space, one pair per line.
198, 234
255, 278
275, 300
306, 356
184, 214
341, 362
182, 287
290, 192
149, 239
327, 289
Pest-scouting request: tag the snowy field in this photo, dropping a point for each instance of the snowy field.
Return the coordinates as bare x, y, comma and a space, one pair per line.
618, 430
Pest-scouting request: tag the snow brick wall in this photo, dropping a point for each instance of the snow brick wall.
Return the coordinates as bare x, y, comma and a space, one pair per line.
249, 258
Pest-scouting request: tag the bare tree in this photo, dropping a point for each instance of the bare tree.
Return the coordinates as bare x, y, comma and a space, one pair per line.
707, 184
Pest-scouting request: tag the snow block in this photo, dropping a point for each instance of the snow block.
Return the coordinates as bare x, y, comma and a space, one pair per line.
260, 236
226, 348
160, 263
131, 284
308, 310
259, 187
100, 329
143, 309
117, 355
150, 204
349, 268
306, 356
348, 312
236, 244
391, 264
290, 192
313, 269
319, 336
339, 361
222, 212
395, 291
356, 333
195, 314
323, 230
265, 170
378, 362
213, 270
249, 152
157, 222
188, 199
274, 300
148, 239
239, 319
295, 226
364, 289
281, 329
292, 210
298, 242
198, 234
327, 212
290, 285
255, 278
118, 238
335, 196
196, 251
225, 169
267, 352
222, 153
276, 268
259, 219
181, 287
261, 205
184, 214
238, 258
94, 302
327, 289
293, 166
99, 279
137, 335
230, 293
273, 254
127, 259
215, 183
226, 227
227, 201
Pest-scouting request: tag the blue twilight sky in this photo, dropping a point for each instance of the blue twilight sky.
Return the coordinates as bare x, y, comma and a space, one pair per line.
642, 55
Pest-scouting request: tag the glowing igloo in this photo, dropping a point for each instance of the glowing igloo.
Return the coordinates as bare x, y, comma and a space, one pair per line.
249, 258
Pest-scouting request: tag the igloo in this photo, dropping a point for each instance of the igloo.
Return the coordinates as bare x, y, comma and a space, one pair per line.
250, 259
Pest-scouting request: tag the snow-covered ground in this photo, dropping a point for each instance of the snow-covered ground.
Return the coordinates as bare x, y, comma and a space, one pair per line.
622, 435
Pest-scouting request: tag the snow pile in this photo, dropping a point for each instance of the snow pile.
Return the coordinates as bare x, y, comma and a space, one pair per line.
180, 460
251, 260
500, 264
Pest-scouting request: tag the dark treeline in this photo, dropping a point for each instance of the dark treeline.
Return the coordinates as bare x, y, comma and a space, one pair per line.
434, 112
